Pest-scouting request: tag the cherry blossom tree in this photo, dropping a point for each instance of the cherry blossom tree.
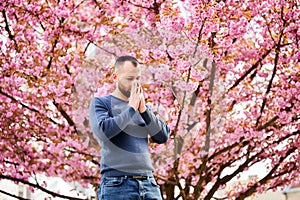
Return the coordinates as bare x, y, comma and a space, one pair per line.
40, 60
224, 75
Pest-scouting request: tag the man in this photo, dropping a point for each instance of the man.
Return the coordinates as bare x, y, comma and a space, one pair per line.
123, 123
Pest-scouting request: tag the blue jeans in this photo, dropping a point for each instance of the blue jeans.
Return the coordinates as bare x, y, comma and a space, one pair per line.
123, 188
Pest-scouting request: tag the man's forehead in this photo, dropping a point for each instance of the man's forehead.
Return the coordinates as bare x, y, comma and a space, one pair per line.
129, 64
129, 68
133, 72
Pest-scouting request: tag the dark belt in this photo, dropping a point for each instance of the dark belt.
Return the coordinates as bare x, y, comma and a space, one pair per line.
135, 177
138, 177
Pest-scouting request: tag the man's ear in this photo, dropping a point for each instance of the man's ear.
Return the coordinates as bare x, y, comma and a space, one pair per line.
114, 76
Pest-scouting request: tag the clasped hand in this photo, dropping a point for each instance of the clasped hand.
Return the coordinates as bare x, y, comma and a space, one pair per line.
136, 99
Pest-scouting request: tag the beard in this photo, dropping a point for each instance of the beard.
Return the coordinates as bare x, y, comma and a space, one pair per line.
124, 92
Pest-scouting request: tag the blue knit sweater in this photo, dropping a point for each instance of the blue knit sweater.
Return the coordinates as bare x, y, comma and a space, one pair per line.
123, 136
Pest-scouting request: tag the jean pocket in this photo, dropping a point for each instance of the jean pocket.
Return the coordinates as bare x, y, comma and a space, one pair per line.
113, 181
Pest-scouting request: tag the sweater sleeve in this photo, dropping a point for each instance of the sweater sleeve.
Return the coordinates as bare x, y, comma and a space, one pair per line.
158, 130
103, 125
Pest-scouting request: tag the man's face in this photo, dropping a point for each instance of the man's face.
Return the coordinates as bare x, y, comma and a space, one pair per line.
126, 75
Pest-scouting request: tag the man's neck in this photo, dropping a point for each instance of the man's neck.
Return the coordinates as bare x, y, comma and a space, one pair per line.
119, 95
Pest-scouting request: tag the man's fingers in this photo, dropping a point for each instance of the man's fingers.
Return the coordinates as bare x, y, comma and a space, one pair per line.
133, 88
139, 88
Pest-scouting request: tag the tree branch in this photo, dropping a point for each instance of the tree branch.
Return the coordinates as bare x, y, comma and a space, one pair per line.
269, 123
241, 142
86, 155
277, 51
209, 105
269, 176
24, 105
198, 188
247, 163
203, 166
64, 113
154, 7
10, 35
199, 37
54, 194
103, 49
251, 69
227, 178
11, 195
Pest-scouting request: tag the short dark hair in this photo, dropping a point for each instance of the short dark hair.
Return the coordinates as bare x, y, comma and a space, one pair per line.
120, 61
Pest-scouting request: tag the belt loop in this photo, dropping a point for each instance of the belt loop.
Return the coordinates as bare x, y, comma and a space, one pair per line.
125, 177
